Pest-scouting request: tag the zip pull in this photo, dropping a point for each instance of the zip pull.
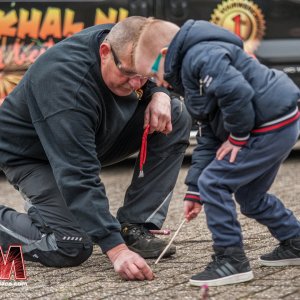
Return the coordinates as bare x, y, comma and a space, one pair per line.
199, 128
143, 151
201, 83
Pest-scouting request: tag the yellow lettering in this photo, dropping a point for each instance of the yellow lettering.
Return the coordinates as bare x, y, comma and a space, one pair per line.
28, 26
7, 21
123, 14
102, 18
52, 24
70, 27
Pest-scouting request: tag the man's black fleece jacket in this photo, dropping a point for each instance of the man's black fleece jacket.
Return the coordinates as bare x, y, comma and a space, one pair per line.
57, 114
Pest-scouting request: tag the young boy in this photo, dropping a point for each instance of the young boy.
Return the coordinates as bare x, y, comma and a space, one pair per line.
248, 124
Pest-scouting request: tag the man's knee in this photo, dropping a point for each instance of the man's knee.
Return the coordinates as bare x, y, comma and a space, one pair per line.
73, 255
181, 119
68, 254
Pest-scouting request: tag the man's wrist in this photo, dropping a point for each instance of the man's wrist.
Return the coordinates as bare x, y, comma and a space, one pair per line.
162, 95
160, 89
114, 252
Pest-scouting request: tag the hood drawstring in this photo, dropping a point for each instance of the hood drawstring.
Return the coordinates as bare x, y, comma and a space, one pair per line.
143, 151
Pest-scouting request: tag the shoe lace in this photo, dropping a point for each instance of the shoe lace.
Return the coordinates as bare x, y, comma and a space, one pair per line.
142, 232
276, 250
281, 246
216, 262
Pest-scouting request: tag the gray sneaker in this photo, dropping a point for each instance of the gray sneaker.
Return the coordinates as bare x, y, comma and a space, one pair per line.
286, 254
229, 265
138, 239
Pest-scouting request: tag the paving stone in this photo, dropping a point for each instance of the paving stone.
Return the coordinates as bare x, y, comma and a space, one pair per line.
96, 278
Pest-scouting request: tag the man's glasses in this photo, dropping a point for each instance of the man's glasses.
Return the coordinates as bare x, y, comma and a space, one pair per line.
127, 73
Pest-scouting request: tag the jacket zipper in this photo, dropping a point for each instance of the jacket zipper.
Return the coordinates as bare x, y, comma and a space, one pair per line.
199, 128
201, 82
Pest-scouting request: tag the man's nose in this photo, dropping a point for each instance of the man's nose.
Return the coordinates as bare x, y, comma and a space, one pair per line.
135, 82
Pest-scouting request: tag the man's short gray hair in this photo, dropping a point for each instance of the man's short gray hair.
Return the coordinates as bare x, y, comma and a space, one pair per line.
125, 32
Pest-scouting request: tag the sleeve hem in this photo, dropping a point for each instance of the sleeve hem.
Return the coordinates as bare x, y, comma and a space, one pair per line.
238, 140
192, 188
193, 197
159, 89
111, 241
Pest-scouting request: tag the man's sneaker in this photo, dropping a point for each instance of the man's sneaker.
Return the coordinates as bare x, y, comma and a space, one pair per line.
229, 265
140, 240
286, 254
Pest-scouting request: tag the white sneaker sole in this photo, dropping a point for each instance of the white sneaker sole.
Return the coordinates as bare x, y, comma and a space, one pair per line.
280, 263
232, 279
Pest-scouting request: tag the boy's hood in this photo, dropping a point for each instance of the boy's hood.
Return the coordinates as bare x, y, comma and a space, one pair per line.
193, 32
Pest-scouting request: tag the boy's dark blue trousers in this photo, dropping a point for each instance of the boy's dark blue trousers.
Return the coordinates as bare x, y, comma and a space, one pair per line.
248, 180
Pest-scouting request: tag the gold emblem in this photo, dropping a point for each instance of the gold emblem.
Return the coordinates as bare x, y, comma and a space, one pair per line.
244, 18
139, 93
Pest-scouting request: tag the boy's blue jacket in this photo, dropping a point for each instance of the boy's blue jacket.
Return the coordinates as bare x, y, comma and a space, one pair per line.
224, 88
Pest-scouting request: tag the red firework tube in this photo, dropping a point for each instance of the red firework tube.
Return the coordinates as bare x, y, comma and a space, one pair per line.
204, 292
162, 231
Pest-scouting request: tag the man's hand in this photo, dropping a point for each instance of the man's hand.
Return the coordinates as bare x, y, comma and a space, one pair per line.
158, 113
226, 148
128, 264
191, 210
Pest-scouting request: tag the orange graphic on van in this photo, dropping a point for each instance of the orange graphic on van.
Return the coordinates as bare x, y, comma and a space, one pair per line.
26, 34
244, 18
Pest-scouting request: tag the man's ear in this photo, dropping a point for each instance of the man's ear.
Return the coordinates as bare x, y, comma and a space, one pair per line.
104, 50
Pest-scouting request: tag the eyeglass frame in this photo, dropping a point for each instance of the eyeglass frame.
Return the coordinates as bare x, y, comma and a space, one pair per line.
118, 64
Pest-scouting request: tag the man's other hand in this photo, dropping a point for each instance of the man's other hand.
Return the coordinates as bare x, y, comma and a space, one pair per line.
158, 113
128, 264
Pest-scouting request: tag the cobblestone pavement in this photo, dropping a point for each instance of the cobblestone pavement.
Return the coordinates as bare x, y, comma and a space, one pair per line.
96, 279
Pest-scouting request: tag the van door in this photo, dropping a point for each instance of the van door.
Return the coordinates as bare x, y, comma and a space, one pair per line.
178, 11
143, 8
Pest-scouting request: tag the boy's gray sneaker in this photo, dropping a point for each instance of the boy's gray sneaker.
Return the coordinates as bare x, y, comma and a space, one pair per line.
229, 266
138, 239
286, 254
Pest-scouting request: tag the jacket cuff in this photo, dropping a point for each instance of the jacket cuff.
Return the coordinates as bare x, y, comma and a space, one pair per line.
193, 197
112, 240
193, 188
238, 140
160, 89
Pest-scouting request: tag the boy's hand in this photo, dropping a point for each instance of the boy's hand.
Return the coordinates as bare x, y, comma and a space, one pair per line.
226, 148
191, 210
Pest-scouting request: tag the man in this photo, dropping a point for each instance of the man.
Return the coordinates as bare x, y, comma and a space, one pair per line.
79, 107
249, 122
